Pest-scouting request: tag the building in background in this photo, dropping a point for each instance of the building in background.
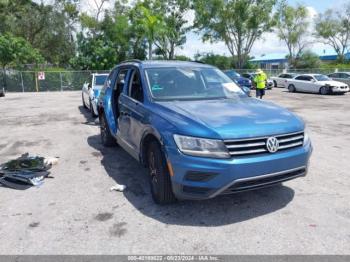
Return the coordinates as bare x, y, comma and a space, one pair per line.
280, 61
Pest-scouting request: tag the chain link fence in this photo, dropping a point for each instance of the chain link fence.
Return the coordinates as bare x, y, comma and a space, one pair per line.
276, 72
28, 81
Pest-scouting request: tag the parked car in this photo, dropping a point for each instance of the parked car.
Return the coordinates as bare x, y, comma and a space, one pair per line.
341, 77
197, 132
91, 91
241, 81
269, 82
2, 92
281, 80
316, 83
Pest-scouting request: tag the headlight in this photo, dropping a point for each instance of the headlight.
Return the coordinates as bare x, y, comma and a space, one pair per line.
306, 138
201, 147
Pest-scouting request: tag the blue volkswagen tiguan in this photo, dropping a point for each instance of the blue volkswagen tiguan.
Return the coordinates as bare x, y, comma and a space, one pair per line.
197, 132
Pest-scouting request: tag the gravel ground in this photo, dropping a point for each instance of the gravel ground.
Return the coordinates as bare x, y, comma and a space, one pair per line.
75, 213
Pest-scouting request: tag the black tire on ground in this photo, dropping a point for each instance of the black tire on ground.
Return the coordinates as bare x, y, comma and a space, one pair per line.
106, 137
161, 189
274, 83
291, 88
82, 98
92, 109
324, 90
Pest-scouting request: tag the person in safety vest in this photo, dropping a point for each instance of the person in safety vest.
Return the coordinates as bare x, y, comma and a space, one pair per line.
260, 83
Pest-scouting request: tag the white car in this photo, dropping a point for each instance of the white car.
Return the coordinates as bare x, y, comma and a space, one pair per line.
316, 83
91, 91
341, 77
281, 80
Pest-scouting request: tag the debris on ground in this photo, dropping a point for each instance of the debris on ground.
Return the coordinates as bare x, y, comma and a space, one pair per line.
26, 171
117, 187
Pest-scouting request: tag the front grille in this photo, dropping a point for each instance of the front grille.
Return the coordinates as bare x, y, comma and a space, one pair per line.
257, 145
264, 180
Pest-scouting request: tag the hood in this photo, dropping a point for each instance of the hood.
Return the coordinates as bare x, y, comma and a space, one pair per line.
229, 118
331, 83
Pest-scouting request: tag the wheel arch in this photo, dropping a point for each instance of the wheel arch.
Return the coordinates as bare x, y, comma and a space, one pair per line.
149, 136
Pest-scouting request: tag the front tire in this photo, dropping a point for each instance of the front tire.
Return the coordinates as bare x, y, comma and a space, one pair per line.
324, 90
291, 88
106, 137
274, 83
161, 189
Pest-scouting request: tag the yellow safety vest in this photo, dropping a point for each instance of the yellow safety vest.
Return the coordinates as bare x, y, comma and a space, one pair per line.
260, 81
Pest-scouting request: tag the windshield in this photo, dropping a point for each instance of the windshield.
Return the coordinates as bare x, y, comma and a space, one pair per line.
232, 74
187, 83
100, 80
322, 78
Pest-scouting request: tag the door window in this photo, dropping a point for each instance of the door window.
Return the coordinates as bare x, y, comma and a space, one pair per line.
135, 87
121, 79
344, 75
302, 78
118, 88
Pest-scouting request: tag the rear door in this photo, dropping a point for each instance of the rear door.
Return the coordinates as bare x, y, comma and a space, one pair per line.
310, 85
280, 80
132, 112
299, 83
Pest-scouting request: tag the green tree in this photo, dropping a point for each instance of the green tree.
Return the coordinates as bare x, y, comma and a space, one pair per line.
220, 61
149, 22
308, 59
333, 28
48, 28
15, 52
292, 27
239, 23
175, 27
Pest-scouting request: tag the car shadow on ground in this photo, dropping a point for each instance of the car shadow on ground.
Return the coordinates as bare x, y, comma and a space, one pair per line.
92, 121
219, 211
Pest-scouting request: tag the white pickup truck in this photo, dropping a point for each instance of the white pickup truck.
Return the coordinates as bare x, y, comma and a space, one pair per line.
316, 83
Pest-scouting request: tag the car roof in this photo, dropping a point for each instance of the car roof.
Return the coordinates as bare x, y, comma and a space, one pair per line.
164, 63
310, 75
96, 74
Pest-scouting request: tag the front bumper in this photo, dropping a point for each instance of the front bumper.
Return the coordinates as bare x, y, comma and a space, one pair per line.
339, 89
203, 178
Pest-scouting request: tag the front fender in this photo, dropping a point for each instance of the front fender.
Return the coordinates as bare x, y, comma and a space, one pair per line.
162, 130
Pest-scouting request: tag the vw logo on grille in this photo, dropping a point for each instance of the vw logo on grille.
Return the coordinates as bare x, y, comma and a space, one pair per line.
272, 144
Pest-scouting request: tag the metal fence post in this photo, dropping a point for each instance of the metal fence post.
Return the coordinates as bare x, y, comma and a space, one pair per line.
22, 82
61, 81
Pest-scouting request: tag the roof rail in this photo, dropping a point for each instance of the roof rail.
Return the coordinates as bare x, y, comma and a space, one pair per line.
132, 61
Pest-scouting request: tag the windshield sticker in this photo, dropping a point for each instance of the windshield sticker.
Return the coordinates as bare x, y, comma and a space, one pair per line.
231, 87
156, 87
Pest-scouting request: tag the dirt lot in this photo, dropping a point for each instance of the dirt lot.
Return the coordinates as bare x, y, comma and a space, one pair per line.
75, 213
